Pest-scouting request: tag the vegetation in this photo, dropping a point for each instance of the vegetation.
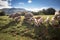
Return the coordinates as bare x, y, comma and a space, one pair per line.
25, 29
11, 30
49, 11
2, 13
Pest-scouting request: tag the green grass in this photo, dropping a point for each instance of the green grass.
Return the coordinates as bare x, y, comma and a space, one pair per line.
10, 30
5, 36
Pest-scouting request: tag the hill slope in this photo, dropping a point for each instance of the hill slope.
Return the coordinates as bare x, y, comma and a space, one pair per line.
13, 10
11, 30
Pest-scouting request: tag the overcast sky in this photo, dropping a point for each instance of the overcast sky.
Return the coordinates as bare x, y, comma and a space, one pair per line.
33, 5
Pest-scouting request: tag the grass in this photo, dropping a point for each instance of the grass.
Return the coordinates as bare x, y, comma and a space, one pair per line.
10, 30
5, 36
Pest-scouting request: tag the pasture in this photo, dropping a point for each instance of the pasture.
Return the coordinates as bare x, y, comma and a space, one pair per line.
11, 30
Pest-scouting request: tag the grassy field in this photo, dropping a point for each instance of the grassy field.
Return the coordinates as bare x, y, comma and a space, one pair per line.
10, 30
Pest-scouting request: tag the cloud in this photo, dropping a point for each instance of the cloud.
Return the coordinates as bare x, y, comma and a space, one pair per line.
4, 4
35, 9
43, 8
21, 3
29, 1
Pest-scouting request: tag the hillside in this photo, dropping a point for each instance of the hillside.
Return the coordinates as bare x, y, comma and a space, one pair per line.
11, 30
12, 10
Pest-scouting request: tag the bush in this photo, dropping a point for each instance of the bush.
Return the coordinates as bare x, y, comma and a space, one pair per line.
2, 13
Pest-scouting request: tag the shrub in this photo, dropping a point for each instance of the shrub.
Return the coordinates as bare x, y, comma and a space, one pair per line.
2, 13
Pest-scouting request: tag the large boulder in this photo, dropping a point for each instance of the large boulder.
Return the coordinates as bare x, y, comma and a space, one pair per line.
18, 19
57, 16
57, 13
28, 15
14, 15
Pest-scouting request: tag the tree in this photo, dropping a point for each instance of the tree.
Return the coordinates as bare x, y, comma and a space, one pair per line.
50, 11
2, 13
41, 12
35, 13
44, 11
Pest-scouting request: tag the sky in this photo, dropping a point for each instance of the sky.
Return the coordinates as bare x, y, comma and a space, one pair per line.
31, 5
